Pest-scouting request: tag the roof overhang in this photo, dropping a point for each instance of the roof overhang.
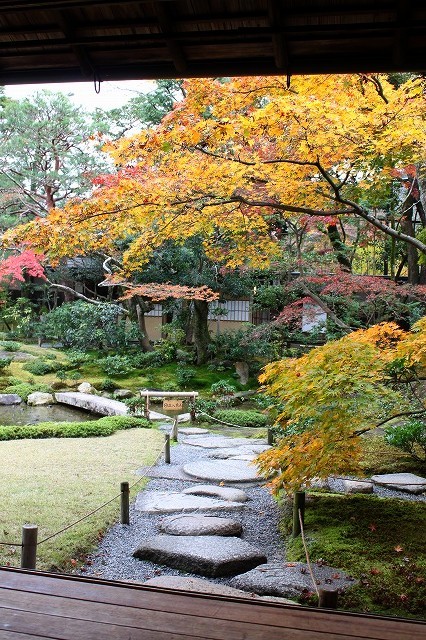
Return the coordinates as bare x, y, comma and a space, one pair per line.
74, 40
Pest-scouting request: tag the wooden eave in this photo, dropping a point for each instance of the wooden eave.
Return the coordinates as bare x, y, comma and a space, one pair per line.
72, 40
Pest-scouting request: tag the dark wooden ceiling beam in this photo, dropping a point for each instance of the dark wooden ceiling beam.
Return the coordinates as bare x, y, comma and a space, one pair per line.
65, 22
279, 41
175, 49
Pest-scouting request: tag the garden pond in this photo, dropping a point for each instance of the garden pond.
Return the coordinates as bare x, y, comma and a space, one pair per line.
20, 414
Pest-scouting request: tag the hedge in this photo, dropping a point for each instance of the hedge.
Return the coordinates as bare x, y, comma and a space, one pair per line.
88, 429
241, 418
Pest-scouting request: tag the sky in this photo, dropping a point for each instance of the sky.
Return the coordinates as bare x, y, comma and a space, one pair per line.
112, 94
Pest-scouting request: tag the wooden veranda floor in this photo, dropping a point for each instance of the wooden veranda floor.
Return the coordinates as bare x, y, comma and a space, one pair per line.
36, 605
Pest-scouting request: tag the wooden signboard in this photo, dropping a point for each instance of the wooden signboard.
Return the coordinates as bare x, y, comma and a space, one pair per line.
173, 403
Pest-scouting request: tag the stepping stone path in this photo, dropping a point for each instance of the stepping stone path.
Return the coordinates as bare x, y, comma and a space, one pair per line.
192, 431
290, 579
213, 556
195, 525
401, 482
357, 486
218, 442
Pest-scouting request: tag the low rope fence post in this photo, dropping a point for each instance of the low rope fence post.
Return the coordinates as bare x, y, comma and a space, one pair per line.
175, 430
298, 506
124, 503
29, 546
327, 598
167, 449
270, 436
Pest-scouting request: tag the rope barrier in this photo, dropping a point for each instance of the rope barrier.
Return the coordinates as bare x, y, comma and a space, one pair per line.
11, 544
228, 424
88, 515
308, 560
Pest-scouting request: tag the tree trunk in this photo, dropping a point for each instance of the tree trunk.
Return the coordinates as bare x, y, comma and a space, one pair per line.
201, 330
339, 248
407, 227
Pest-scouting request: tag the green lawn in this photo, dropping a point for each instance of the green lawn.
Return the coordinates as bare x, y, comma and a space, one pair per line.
54, 482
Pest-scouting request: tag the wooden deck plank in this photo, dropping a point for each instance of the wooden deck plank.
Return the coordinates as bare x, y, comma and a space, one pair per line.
74, 607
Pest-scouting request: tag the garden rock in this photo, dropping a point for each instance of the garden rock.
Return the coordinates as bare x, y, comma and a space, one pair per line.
222, 470
214, 491
199, 585
356, 486
212, 556
192, 431
10, 398
222, 443
123, 393
242, 370
171, 502
291, 579
244, 450
95, 404
196, 525
401, 482
86, 387
38, 398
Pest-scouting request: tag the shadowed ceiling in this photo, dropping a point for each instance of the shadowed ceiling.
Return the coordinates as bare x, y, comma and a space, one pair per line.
73, 40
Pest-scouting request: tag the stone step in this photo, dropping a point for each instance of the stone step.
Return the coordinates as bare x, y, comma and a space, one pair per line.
220, 442
229, 471
230, 494
199, 585
198, 525
401, 482
211, 556
291, 579
172, 502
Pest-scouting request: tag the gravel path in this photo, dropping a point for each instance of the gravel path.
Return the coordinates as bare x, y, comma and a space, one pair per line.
113, 559
260, 519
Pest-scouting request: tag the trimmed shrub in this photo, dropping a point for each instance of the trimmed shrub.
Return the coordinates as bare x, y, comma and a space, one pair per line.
108, 385
148, 359
116, 365
4, 362
242, 418
24, 389
410, 437
89, 429
9, 345
222, 387
77, 358
184, 375
41, 367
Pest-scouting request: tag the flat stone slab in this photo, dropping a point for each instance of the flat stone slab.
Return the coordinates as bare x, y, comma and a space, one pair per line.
290, 579
222, 442
357, 486
199, 585
10, 398
95, 404
222, 470
401, 482
171, 471
192, 431
245, 450
171, 502
196, 525
214, 491
212, 556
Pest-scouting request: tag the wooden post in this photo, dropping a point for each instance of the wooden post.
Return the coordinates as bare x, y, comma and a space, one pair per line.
147, 407
298, 504
124, 503
328, 598
167, 450
175, 430
192, 410
29, 546
270, 436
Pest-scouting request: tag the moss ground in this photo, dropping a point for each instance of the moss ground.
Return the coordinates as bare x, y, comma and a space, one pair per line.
381, 542
54, 482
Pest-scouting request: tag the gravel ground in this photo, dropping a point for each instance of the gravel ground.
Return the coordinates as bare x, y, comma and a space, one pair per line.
113, 559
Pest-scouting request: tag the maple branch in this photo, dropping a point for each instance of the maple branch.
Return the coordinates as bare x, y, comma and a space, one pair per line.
70, 290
